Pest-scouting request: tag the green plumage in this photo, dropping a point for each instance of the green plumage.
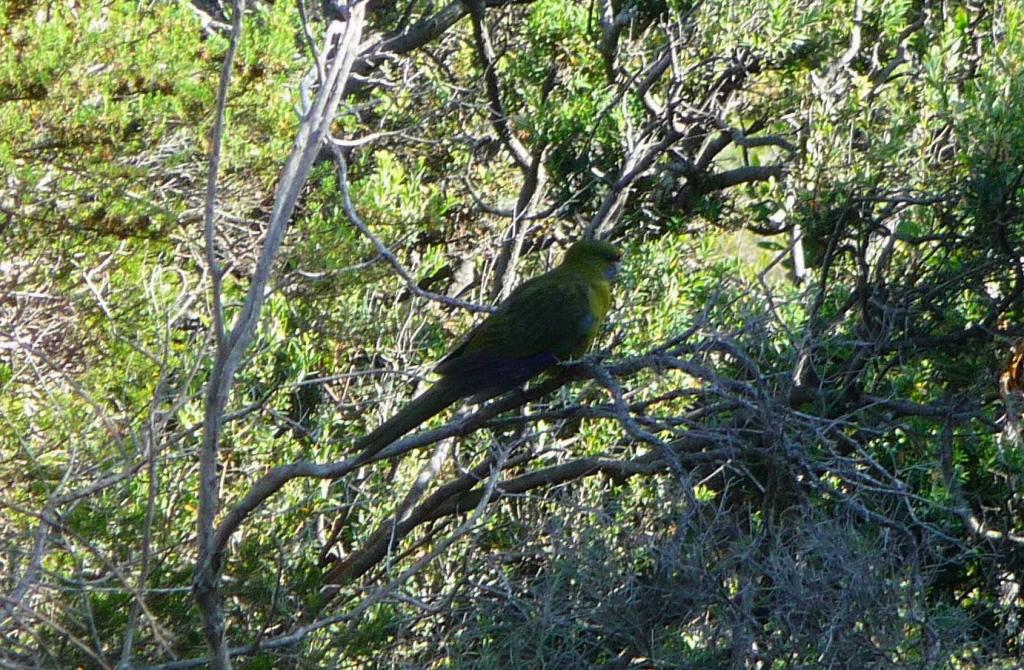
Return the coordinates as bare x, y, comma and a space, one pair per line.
546, 320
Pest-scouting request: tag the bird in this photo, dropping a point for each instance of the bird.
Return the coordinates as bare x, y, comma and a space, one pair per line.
547, 320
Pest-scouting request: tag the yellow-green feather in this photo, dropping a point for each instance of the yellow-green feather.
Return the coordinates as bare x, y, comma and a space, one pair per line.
546, 320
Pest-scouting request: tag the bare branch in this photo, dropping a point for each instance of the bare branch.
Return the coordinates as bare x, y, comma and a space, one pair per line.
209, 492
312, 132
488, 61
410, 282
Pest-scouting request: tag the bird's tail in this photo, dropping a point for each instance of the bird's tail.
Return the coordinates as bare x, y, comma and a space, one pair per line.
432, 401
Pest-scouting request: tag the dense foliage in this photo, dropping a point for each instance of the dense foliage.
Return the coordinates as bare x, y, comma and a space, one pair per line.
797, 446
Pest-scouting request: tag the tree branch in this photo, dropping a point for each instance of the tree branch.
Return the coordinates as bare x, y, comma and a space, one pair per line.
313, 129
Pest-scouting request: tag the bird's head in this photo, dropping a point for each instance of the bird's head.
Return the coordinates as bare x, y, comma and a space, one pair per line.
594, 255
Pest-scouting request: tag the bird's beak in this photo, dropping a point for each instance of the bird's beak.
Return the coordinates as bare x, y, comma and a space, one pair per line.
612, 272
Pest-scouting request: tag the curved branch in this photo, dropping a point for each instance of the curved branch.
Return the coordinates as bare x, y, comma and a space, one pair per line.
457, 497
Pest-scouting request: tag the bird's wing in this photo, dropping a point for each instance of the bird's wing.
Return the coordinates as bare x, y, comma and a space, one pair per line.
543, 321
547, 315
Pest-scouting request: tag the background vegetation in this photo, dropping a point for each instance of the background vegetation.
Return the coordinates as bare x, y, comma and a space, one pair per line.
797, 447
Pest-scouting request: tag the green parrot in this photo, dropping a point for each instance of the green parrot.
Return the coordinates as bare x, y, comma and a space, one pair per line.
546, 320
